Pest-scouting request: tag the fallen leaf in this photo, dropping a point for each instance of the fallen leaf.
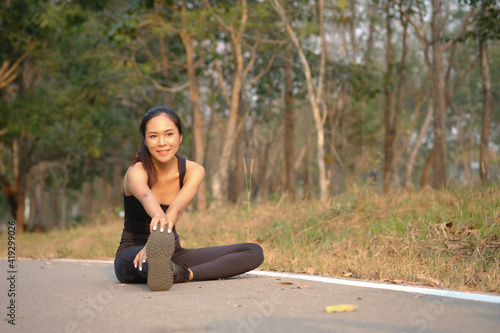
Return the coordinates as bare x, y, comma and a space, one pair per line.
303, 287
285, 283
375, 276
341, 308
449, 224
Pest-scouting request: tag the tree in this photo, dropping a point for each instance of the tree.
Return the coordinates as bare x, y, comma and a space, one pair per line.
392, 108
488, 26
236, 29
436, 72
315, 93
289, 123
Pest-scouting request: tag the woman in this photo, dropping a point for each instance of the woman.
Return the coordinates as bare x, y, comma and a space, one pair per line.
157, 188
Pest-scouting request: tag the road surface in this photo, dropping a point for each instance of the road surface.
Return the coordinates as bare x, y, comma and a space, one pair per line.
84, 296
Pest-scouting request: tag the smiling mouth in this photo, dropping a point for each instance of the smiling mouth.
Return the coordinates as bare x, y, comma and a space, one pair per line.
163, 152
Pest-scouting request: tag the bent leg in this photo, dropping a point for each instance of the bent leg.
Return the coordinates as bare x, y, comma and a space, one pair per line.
220, 261
124, 266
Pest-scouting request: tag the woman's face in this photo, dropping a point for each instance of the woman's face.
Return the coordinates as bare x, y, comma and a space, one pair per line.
162, 138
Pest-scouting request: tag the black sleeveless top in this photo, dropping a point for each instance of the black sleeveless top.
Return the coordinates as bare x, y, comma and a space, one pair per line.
137, 220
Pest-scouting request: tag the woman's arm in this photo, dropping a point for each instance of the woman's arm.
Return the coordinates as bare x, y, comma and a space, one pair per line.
136, 182
194, 176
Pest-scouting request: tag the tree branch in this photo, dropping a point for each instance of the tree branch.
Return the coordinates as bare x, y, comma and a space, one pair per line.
419, 33
155, 83
260, 75
222, 83
252, 60
6, 73
460, 31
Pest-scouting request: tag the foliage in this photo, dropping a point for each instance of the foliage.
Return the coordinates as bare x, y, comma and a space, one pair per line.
97, 67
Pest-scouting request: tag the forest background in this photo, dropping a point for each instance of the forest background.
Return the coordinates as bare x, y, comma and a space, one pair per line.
297, 98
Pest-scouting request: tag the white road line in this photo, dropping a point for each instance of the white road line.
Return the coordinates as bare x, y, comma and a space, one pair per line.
385, 286
355, 283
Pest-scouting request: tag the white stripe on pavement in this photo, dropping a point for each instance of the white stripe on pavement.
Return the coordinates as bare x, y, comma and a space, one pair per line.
385, 286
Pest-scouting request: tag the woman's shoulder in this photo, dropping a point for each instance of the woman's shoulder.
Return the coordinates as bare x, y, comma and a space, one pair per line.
192, 166
136, 171
194, 170
136, 168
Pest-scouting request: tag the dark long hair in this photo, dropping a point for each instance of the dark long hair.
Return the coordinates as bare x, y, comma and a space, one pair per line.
143, 155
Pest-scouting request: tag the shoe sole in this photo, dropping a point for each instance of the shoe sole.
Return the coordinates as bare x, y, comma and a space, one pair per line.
159, 250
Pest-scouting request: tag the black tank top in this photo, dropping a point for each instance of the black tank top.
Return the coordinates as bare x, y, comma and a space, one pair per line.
137, 220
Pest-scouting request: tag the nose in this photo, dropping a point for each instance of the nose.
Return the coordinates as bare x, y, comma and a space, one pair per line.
163, 140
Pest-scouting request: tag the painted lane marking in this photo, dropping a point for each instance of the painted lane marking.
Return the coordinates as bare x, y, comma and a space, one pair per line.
385, 286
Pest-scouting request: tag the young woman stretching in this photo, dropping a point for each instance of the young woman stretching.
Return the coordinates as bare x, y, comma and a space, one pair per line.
157, 188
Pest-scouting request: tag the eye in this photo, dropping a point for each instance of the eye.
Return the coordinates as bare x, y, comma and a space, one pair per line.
152, 136
170, 134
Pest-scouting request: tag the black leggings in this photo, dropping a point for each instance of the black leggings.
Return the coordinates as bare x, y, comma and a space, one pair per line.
207, 263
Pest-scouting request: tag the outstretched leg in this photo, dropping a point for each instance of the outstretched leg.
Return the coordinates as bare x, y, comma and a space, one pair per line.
220, 261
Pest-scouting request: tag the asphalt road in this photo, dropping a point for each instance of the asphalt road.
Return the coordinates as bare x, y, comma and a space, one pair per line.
84, 296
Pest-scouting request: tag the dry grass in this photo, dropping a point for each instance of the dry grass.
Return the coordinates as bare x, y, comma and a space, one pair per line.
446, 239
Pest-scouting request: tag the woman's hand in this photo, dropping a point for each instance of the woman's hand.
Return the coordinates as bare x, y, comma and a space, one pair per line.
162, 220
140, 258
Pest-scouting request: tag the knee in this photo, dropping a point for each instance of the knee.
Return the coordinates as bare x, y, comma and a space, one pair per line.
257, 252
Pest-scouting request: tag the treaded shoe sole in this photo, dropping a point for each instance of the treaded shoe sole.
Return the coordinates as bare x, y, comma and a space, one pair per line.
159, 250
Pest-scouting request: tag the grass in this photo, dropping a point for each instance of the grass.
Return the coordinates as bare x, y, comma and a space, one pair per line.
447, 239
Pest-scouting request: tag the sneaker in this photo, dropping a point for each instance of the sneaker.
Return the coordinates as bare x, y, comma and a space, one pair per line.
181, 273
159, 250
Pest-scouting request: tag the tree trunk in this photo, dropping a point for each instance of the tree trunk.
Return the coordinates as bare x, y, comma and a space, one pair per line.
390, 134
392, 113
86, 194
416, 147
235, 184
105, 201
220, 178
464, 149
487, 105
164, 60
315, 94
263, 171
21, 169
289, 124
427, 170
117, 179
331, 125
21, 197
306, 173
63, 201
199, 153
438, 97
